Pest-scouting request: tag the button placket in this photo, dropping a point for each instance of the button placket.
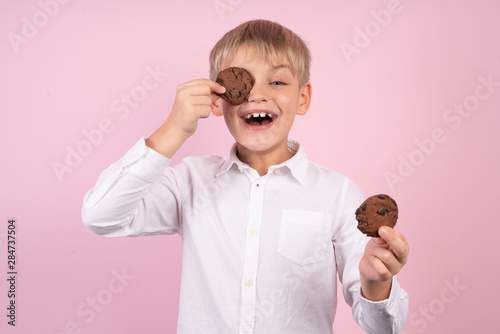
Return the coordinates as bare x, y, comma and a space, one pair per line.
250, 264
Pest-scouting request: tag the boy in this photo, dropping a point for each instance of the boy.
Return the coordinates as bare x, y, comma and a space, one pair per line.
264, 230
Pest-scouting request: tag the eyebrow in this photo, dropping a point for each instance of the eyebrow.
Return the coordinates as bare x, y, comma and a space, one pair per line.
277, 67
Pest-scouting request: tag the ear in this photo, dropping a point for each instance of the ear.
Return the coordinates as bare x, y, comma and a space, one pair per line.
304, 98
216, 107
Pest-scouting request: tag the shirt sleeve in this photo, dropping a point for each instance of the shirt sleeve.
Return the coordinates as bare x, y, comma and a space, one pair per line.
137, 195
386, 316
383, 317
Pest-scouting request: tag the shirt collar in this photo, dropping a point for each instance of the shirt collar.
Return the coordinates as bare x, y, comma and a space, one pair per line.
296, 164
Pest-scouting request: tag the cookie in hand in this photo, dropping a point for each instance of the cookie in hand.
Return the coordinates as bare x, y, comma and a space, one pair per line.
376, 211
238, 83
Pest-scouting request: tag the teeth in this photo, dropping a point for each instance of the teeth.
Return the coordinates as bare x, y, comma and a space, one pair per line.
256, 114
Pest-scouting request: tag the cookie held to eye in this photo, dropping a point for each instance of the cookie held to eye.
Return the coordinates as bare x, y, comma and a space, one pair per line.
376, 211
238, 83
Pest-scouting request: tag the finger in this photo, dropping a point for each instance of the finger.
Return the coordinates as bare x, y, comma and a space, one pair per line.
376, 242
397, 242
212, 85
202, 111
201, 81
207, 90
388, 258
216, 87
380, 269
380, 242
201, 100
195, 90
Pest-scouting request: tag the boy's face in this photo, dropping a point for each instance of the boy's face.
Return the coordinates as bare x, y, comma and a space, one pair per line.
275, 94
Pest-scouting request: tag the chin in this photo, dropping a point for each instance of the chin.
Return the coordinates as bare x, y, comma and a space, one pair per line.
259, 144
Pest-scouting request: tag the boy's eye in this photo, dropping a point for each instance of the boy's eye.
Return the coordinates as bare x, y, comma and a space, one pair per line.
278, 83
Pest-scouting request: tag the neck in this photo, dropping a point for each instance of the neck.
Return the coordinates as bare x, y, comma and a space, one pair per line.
262, 160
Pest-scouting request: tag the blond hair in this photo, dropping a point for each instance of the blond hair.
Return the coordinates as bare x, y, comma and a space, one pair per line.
271, 40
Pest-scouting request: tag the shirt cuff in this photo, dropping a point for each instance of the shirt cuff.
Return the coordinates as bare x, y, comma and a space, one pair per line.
144, 162
389, 306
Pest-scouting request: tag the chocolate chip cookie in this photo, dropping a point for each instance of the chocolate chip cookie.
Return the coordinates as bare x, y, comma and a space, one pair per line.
238, 83
376, 211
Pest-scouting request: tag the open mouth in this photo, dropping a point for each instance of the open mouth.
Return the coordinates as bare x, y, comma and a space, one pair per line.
259, 119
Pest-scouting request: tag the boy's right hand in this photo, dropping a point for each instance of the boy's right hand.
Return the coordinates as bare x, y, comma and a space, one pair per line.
192, 101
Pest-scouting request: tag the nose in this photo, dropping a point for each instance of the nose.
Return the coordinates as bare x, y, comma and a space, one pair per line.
258, 93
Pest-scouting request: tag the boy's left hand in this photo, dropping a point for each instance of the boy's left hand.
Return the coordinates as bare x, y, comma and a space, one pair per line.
383, 258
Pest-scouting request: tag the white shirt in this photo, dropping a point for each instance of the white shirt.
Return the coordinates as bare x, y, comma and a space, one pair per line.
260, 253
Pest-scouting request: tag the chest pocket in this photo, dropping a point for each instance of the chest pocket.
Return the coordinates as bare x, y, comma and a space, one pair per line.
305, 236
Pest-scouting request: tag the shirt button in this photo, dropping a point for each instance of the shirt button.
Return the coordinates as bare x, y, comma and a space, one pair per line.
253, 232
136, 155
391, 306
257, 185
277, 171
396, 321
240, 169
249, 283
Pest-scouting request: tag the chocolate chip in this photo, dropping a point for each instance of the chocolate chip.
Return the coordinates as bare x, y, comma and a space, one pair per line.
363, 207
381, 196
357, 211
382, 211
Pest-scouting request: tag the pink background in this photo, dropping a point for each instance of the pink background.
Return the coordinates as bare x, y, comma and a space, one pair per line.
69, 69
